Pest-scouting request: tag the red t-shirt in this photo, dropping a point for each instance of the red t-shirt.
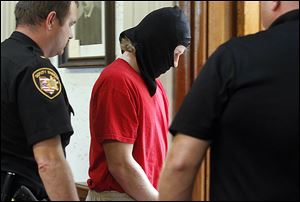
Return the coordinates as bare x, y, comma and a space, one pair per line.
122, 109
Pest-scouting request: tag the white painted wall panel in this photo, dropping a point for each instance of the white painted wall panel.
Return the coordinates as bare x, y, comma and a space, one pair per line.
8, 21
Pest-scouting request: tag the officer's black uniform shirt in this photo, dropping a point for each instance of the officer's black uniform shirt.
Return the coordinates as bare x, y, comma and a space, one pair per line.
246, 100
34, 106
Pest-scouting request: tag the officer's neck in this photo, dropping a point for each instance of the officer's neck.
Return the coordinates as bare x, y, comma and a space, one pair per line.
36, 34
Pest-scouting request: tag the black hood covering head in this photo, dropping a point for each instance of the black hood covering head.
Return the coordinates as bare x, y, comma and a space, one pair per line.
155, 39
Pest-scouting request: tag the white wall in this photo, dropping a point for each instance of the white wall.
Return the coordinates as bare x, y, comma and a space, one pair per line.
79, 82
8, 21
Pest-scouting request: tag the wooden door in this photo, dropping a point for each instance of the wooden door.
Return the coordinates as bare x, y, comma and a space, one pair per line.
212, 23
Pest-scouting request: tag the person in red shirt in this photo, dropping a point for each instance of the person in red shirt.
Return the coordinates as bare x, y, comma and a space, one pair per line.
129, 109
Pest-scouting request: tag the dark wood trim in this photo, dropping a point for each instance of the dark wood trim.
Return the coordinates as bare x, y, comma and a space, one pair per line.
244, 24
190, 65
110, 31
82, 190
212, 23
182, 73
83, 62
240, 18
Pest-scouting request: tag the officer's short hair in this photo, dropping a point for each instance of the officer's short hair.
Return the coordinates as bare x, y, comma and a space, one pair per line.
126, 45
34, 12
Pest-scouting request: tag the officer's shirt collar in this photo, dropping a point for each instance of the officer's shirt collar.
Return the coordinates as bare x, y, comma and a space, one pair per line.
27, 41
289, 16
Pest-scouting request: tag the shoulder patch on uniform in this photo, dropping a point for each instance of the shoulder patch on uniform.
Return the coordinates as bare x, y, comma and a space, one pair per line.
47, 82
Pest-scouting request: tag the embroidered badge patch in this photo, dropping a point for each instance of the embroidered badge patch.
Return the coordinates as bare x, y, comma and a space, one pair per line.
47, 82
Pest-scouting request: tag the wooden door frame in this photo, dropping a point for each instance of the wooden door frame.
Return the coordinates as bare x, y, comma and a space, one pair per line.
209, 29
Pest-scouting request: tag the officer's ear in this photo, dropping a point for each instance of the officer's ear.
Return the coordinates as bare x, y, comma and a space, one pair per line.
50, 20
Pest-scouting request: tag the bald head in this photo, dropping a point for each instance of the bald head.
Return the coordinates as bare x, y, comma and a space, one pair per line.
271, 10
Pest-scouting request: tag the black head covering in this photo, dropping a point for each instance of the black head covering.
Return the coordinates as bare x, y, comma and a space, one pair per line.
155, 39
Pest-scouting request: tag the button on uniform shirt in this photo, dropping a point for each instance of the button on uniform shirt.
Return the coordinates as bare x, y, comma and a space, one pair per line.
34, 106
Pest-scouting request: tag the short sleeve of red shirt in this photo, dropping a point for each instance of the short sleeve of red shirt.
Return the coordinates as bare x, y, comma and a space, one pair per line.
113, 111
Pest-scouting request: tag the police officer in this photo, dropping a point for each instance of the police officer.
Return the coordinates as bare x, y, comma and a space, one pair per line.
35, 111
245, 104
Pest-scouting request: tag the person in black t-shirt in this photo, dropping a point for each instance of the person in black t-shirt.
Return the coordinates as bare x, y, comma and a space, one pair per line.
245, 105
35, 111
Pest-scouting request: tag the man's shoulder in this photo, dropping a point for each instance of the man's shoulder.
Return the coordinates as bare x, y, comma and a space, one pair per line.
12, 48
17, 52
267, 41
251, 43
245, 40
19, 58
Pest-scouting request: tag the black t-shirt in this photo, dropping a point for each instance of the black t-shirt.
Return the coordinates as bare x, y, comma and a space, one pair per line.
246, 101
34, 106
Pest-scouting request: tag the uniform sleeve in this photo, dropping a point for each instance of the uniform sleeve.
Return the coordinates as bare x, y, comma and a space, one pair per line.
42, 107
113, 114
203, 106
